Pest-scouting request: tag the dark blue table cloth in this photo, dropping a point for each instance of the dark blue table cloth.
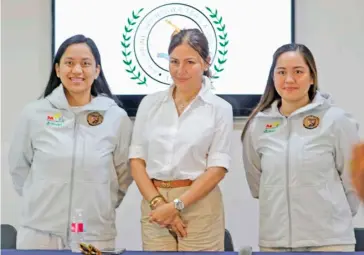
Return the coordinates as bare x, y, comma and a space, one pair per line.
45, 252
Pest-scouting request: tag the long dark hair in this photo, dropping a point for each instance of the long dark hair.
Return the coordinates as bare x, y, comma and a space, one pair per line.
98, 87
194, 38
270, 93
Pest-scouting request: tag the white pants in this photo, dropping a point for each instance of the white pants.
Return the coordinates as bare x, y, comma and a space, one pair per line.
29, 239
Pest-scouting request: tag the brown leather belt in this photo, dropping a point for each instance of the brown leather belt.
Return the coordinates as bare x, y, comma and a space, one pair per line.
171, 184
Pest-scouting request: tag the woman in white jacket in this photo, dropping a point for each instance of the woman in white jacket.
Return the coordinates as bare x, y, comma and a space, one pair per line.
296, 153
70, 152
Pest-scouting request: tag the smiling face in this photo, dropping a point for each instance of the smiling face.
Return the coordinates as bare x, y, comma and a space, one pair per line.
292, 77
77, 69
186, 66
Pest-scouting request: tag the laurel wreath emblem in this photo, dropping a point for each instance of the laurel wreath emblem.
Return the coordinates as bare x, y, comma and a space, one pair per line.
130, 66
136, 75
222, 42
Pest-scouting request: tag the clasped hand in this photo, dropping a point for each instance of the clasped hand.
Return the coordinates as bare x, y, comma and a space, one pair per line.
166, 215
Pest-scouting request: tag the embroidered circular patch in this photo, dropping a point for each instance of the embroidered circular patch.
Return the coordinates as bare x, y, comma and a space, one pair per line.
311, 122
94, 118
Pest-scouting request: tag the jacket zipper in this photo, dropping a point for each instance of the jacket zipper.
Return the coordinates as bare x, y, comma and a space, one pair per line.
287, 184
75, 127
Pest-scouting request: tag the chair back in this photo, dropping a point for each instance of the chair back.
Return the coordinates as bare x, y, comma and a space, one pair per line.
228, 241
359, 236
8, 236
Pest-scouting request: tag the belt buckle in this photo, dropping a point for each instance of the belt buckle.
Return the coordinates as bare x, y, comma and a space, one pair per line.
166, 184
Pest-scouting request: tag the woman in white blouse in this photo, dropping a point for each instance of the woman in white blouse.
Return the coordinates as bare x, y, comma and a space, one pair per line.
180, 151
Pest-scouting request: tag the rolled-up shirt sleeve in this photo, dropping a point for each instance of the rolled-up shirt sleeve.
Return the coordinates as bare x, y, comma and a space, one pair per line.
137, 146
219, 154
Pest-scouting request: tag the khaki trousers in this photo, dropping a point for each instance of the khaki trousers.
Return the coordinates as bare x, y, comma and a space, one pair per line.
30, 239
327, 248
205, 224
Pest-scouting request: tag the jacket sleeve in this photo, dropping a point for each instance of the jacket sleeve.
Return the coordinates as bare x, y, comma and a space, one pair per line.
347, 135
121, 161
251, 163
21, 152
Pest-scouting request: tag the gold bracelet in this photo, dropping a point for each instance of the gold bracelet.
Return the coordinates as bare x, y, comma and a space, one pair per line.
156, 197
155, 201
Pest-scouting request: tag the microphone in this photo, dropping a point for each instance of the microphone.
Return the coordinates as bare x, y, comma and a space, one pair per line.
246, 250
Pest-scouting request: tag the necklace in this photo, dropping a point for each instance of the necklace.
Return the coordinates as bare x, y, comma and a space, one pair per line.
182, 105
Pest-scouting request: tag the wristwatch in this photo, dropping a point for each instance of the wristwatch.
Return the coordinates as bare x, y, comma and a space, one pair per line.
178, 204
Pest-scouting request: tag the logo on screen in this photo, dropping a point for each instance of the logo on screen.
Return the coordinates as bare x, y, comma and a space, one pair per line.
146, 37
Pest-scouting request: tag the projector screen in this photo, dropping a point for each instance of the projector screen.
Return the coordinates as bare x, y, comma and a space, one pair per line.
133, 38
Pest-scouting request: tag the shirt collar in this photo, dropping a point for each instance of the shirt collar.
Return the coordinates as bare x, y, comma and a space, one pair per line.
204, 94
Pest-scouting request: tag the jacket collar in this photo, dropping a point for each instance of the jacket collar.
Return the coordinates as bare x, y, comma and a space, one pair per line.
320, 99
98, 103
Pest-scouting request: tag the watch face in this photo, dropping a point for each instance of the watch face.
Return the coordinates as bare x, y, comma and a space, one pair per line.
178, 204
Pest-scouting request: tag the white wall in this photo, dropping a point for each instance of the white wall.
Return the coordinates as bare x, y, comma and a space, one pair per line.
334, 32
332, 29
25, 64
